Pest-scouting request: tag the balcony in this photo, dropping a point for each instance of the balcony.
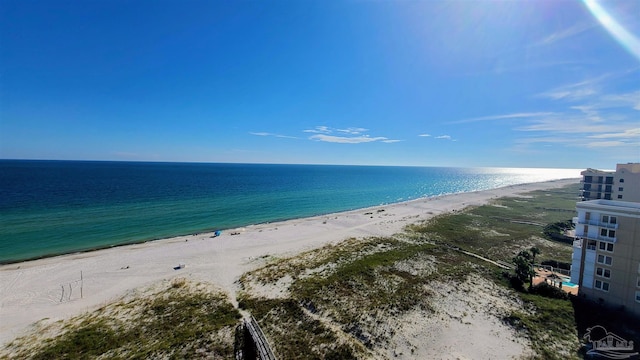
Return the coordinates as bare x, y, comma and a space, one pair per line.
607, 239
601, 224
588, 237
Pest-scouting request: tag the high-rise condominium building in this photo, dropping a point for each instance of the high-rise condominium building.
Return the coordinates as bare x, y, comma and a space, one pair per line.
606, 250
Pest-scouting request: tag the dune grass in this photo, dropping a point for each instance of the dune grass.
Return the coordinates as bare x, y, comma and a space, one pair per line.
180, 321
342, 294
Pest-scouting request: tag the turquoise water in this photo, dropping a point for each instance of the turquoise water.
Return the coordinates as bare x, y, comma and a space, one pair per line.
56, 207
569, 284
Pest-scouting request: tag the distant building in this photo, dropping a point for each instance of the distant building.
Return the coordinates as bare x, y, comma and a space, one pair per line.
612, 185
606, 249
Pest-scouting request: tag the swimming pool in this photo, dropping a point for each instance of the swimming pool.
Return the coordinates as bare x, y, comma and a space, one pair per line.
568, 283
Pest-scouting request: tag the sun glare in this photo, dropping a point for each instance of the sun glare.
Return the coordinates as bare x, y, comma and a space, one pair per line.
617, 30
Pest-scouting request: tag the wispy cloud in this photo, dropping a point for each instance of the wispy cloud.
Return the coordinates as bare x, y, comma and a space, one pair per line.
601, 121
319, 130
326, 134
571, 93
602, 144
626, 134
502, 117
439, 137
564, 34
272, 134
631, 99
353, 131
580, 90
347, 140
587, 114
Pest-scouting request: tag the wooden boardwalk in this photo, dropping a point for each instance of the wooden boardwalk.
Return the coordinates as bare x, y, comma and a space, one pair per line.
262, 347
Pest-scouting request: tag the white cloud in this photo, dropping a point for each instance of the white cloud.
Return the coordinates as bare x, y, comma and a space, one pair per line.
578, 130
577, 91
324, 133
601, 144
626, 134
565, 34
352, 131
594, 119
571, 94
271, 134
441, 137
347, 140
319, 130
502, 117
631, 100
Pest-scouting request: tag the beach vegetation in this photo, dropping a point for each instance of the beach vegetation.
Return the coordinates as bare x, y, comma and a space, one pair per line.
550, 325
504, 227
295, 333
557, 230
523, 270
341, 298
179, 320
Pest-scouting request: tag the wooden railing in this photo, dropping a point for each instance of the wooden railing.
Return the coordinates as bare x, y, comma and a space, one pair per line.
262, 347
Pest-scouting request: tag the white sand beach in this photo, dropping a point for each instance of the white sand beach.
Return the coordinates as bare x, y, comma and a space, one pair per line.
51, 289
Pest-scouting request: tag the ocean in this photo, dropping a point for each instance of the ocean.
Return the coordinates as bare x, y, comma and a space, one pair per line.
49, 208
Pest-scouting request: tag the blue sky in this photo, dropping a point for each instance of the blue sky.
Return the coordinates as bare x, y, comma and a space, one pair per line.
428, 83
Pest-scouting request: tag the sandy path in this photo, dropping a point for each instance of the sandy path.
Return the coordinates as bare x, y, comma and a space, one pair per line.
50, 288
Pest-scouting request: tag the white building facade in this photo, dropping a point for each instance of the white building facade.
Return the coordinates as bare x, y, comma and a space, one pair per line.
606, 250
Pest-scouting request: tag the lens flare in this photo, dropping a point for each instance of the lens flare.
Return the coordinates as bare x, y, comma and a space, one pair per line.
619, 33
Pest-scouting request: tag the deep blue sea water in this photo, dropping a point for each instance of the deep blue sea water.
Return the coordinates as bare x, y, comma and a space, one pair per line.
56, 207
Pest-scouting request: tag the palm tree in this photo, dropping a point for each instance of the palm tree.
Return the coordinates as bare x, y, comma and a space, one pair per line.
534, 251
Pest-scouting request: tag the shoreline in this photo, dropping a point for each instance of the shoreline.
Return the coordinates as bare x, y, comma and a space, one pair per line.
49, 289
210, 231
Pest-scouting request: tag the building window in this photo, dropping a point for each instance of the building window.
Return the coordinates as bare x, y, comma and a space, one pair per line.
638, 282
601, 285
609, 180
591, 245
603, 272
609, 219
606, 246
621, 180
604, 259
620, 188
638, 296
608, 233
619, 196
